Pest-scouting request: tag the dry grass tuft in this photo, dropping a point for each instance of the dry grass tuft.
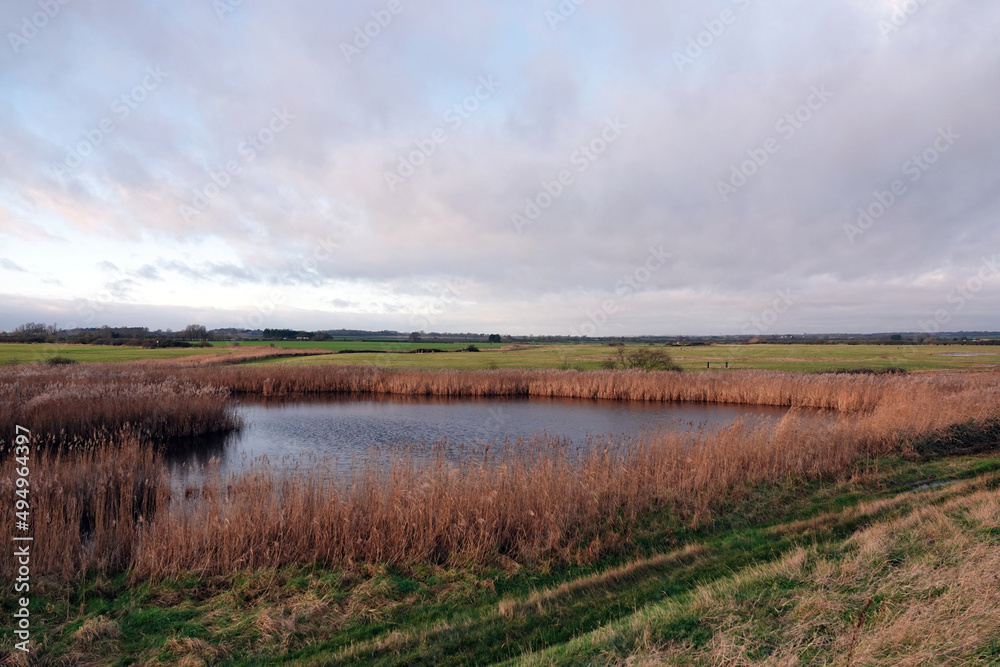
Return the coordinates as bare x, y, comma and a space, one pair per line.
97, 628
192, 651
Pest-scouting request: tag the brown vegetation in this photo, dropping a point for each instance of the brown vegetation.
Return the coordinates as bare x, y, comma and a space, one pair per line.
110, 509
237, 355
89, 508
82, 402
845, 393
167, 398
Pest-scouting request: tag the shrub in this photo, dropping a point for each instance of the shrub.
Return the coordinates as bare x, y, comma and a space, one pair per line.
641, 358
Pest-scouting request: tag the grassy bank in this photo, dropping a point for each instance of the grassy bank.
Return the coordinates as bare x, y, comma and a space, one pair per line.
895, 561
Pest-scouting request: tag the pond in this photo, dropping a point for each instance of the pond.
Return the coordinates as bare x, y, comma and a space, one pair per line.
964, 354
345, 430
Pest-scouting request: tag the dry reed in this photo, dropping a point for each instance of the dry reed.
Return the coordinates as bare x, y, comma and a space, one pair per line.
89, 508
110, 509
83, 402
839, 392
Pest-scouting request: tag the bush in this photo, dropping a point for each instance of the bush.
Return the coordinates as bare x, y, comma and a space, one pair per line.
890, 370
642, 358
59, 361
472, 348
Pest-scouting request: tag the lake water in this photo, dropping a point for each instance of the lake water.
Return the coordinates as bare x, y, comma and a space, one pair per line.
345, 430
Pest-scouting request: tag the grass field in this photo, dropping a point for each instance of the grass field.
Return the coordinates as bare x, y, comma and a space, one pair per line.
893, 566
582, 356
764, 357
28, 353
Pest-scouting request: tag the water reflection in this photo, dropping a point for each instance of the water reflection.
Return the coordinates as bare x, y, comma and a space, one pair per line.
347, 431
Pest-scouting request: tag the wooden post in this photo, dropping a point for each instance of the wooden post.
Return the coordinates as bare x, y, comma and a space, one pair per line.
708, 364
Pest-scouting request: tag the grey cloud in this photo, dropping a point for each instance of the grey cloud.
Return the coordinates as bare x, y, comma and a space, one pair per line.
148, 272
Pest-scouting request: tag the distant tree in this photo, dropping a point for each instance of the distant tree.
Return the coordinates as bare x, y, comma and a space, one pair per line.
34, 329
895, 337
642, 358
415, 337
321, 335
195, 332
494, 338
280, 334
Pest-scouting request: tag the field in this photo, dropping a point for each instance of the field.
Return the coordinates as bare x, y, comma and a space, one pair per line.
793, 358
867, 539
25, 353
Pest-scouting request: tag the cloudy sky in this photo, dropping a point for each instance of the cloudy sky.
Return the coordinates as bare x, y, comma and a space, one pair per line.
523, 167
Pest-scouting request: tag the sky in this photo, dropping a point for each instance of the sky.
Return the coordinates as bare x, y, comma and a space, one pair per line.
561, 167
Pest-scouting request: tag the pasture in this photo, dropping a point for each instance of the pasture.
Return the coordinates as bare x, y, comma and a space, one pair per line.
581, 356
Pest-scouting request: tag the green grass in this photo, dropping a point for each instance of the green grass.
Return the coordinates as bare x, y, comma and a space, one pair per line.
452, 615
800, 358
796, 358
27, 353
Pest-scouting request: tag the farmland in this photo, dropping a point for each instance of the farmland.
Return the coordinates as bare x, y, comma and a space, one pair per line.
792, 358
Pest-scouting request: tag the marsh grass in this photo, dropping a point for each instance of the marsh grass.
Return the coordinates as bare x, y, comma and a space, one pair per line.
109, 508
89, 507
87, 402
846, 393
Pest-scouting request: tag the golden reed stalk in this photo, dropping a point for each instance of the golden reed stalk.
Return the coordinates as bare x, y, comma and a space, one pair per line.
109, 508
